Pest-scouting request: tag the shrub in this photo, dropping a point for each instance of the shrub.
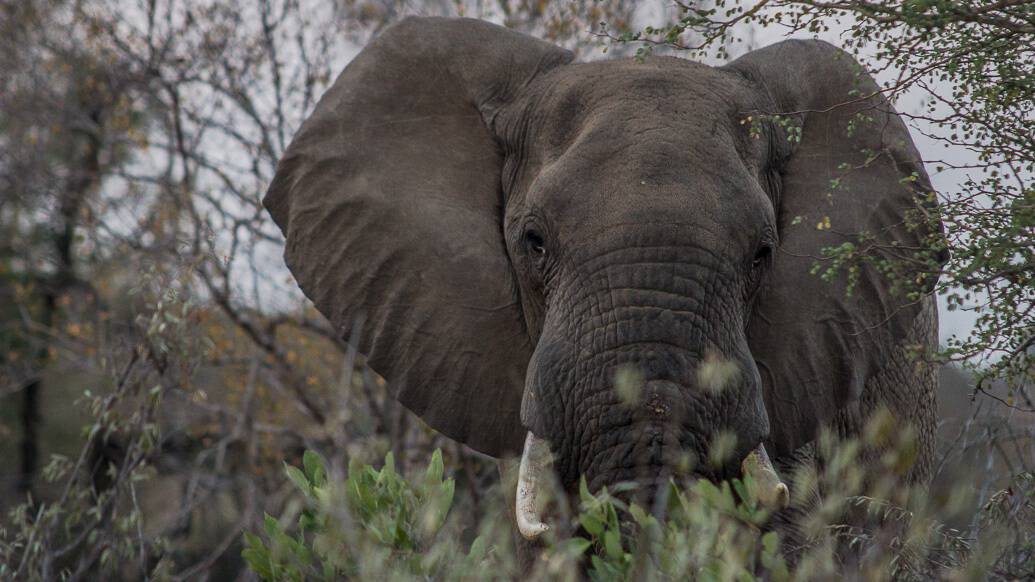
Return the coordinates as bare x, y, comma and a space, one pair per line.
377, 524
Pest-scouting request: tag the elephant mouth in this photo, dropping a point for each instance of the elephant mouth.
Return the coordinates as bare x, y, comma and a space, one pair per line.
764, 485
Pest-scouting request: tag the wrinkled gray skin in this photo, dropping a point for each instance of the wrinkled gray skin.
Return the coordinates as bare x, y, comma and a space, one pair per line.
513, 228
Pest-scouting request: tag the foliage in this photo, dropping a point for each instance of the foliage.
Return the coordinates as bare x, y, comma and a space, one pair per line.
377, 524
709, 533
95, 523
398, 521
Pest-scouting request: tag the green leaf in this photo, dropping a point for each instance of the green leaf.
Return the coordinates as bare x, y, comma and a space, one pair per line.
584, 495
577, 546
433, 474
272, 526
298, 478
613, 544
641, 517
479, 549
258, 559
315, 468
612, 516
591, 524
388, 471
770, 543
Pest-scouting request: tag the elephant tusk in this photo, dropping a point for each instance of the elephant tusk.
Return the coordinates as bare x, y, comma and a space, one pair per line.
536, 461
766, 486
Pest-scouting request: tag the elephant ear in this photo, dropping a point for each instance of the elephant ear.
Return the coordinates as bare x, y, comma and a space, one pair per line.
389, 197
854, 170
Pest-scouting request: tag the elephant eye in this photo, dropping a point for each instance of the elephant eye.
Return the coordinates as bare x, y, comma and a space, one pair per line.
762, 257
535, 244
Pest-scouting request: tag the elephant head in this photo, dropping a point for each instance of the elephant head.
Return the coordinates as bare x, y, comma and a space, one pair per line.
511, 230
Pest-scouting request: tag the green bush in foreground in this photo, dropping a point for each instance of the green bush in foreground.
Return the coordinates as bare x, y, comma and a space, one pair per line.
377, 524
381, 524
377, 521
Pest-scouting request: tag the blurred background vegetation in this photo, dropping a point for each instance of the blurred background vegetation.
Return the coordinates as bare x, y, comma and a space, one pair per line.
158, 366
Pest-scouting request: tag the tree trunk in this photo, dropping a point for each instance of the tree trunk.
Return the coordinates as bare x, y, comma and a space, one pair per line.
83, 178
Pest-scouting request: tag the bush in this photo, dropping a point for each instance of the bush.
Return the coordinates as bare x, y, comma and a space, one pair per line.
376, 524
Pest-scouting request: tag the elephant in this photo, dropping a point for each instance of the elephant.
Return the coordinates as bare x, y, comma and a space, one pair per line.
509, 231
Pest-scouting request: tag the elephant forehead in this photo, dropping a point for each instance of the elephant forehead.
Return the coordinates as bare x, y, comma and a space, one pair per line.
690, 102
613, 132
694, 197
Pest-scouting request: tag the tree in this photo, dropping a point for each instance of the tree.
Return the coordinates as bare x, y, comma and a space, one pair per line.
65, 124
